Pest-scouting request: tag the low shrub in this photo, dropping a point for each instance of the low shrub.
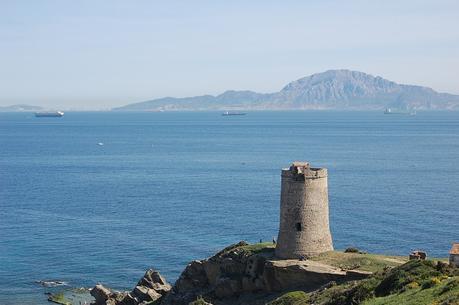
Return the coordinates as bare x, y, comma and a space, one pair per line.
431, 283
412, 271
355, 295
452, 300
450, 285
351, 250
412, 285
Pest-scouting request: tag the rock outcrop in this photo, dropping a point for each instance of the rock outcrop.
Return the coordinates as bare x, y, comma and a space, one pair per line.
238, 270
232, 276
101, 294
149, 290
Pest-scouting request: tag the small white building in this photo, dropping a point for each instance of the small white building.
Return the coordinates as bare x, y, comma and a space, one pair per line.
454, 255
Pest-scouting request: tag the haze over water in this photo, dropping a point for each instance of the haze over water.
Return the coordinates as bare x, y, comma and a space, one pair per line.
167, 188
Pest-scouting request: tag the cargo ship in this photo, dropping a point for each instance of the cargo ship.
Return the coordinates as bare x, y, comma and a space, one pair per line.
49, 114
226, 113
399, 111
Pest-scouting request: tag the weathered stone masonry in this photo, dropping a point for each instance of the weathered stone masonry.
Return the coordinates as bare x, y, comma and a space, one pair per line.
304, 228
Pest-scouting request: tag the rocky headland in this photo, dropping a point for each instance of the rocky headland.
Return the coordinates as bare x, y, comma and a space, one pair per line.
244, 274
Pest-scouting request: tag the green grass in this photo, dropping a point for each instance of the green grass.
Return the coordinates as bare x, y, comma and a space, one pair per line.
291, 298
445, 292
421, 272
364, 262
322, 297
266, 247
415, 282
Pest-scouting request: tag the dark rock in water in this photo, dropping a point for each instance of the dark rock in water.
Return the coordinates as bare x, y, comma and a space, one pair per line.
51, 283
101, 294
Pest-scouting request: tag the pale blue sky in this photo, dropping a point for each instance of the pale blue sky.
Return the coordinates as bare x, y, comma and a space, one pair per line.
100, 54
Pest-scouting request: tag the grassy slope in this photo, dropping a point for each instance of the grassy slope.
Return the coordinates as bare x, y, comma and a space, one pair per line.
418, 296
365, 262
408, 287
291, 298
413, 283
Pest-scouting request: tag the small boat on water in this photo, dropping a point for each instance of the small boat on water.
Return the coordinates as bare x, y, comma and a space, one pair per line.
227, 113
399, 111
49, 114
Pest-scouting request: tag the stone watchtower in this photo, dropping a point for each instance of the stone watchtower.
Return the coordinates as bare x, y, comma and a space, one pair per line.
304, 228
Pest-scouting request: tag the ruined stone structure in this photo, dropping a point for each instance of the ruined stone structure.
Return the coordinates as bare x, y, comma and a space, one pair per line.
304, 229
454, 255
421, 255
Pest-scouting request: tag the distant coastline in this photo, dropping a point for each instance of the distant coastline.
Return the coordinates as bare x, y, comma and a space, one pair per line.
342, 90
329, 90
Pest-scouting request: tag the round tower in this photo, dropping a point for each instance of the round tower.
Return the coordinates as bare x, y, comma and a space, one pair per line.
304, 228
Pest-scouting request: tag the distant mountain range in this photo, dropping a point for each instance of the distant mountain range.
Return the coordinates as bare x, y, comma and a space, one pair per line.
19, 108
333, 89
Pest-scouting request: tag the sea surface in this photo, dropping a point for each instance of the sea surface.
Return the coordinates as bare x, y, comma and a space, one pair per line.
101, 197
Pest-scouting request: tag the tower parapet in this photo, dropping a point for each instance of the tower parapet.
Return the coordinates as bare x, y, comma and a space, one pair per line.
304, 228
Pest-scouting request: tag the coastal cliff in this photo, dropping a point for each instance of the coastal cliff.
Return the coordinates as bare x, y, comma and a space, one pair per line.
244, 274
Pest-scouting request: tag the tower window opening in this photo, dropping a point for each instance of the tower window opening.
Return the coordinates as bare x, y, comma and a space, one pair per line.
298, 226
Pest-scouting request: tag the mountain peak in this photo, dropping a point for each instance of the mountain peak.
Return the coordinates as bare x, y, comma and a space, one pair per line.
331, 89
337, 76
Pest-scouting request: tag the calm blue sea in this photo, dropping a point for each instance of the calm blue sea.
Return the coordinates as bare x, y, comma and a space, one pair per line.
166, 188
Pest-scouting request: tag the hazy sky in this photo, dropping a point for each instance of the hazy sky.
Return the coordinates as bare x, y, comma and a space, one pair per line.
99, 54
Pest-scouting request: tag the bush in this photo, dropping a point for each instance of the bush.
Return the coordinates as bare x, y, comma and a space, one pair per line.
452, 300
351, 250
355, 295
412, 271
364, 291
431, 282
446, 269
412, 285
451, 285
